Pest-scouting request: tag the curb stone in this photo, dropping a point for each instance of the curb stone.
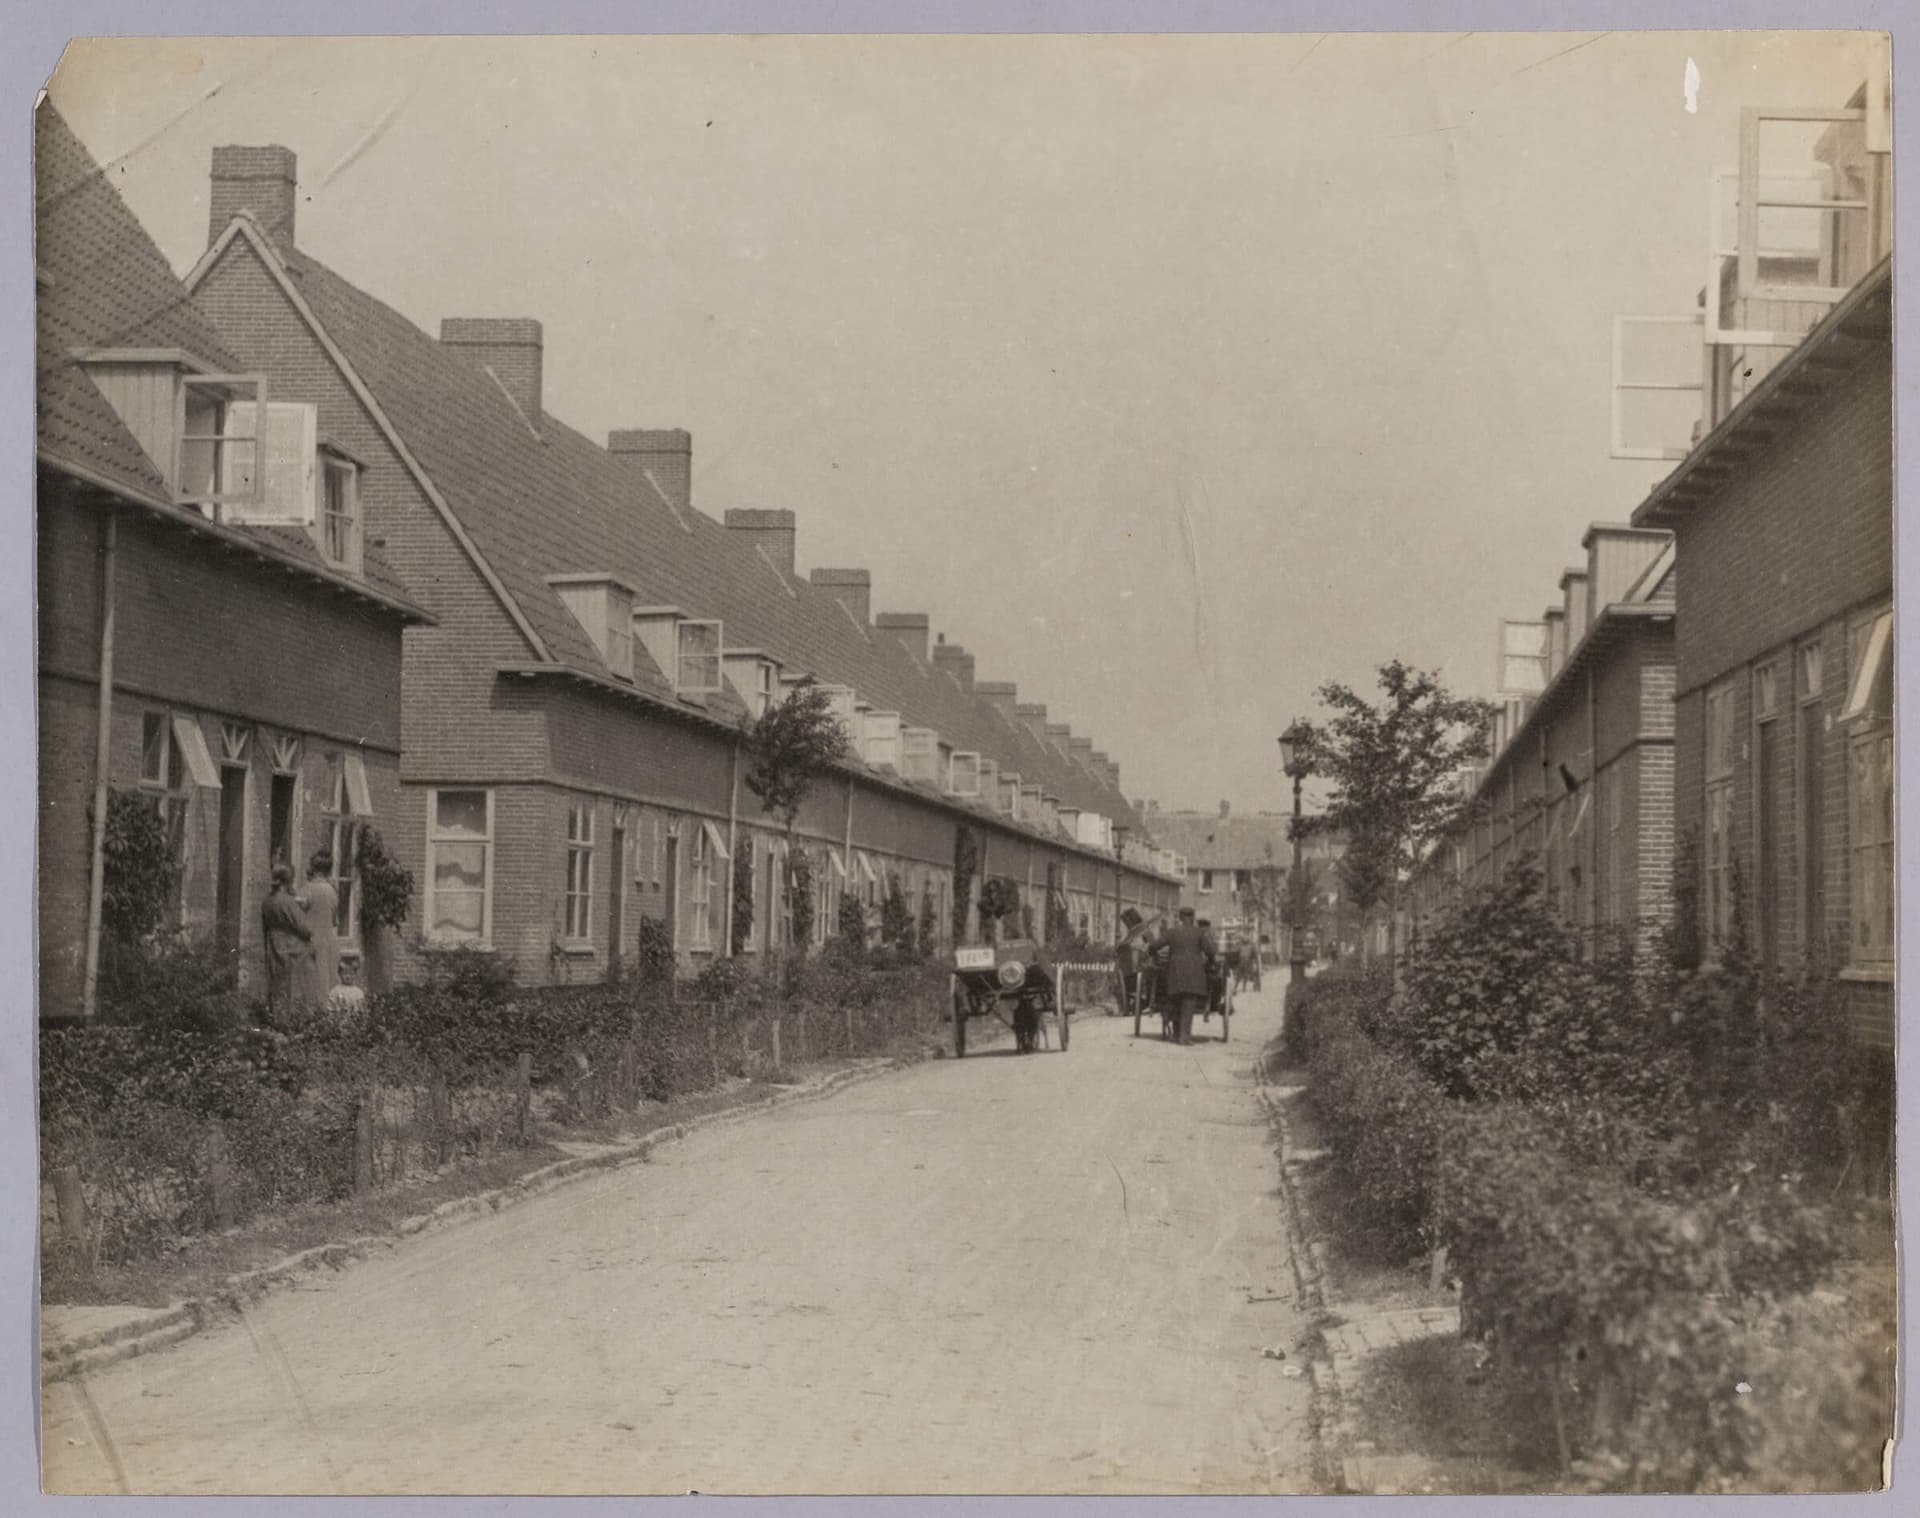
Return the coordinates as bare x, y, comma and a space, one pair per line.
110, 1346
1313, 1278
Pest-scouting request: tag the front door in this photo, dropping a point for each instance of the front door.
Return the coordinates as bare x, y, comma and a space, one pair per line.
230, 879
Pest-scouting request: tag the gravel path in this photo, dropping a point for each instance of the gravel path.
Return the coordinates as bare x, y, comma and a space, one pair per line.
997, 1274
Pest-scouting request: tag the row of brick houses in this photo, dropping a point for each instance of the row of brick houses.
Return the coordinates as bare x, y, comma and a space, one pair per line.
531, 660
1711, 702
1238, 868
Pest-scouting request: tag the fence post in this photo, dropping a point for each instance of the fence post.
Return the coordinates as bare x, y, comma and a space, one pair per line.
776, 1044
219, 1177
523, 1097
363, 1146
71, 1200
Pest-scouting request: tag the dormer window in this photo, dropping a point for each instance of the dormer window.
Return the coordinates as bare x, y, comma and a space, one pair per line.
698, 664
1009, 798
755, 677
882, 733
686, 649
919, 754
966, 773
989, 780
840, 701
217, 460
603, 606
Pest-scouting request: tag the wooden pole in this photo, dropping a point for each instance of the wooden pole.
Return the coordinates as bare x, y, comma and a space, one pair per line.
102, 757
70, 1199
219, 1178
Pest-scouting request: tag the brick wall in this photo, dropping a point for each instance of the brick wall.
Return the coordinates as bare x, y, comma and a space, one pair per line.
1802, 533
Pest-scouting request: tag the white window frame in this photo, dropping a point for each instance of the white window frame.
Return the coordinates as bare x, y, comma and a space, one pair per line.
214, 501
1618, 447
1872, 804
750, 942
700, 890
683, 659
347, 521
343, 811
1752, 201
434, 840
965, 772
576, 902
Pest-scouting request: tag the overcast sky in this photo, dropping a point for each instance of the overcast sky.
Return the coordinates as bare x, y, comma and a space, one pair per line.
1172, 376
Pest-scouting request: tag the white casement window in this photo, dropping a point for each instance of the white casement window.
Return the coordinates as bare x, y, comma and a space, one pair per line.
578, 905
700, 888
283, 490
882, 739
217, 454
343, 811
919, 753
1868, 717
460, 866
989, 781
765, 681
1718, 843
163, 779
340, 511
826, 897
966, 773
699, 657
1010, 795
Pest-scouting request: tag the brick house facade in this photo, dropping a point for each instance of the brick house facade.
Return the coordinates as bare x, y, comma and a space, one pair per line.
1580, 780
1784, 772
572, 759
252, 688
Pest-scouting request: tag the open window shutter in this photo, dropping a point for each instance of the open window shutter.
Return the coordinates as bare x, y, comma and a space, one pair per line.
359, 799
291, 437
193, 749
715, 841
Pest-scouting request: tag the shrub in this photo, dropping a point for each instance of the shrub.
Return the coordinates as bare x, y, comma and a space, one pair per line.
850, 935
170, 982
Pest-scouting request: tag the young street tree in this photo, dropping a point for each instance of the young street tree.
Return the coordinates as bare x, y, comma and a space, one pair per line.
1393, 768
792, 744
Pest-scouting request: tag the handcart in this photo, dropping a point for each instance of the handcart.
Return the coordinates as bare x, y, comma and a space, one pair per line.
1014, 981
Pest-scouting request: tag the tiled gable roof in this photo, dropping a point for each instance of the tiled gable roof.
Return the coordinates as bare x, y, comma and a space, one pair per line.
104, 284
1212, 842
540, 499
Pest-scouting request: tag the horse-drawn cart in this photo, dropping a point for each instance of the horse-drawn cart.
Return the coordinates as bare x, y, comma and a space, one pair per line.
1013, 981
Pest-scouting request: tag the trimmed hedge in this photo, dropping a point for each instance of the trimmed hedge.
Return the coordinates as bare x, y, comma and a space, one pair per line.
144, 1111
1629, 1292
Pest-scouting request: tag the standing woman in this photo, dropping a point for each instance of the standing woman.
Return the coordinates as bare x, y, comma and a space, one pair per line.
285, 928
323, 906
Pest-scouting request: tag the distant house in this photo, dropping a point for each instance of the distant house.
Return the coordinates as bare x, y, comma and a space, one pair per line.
215, 636
573, 749
1238, 867
1580, 779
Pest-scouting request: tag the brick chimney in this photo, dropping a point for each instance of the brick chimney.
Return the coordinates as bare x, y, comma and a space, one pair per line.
852, 588
509, 346
1080, 751
1002, 695
665, 453
957, 662
909, 627
1059, 734
1034, 715
1113, 778
768, 529
258, 181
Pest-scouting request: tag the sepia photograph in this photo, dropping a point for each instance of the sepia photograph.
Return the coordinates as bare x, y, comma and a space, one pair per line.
1147, 764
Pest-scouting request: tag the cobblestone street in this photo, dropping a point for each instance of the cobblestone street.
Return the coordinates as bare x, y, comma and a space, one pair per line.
1056, 1273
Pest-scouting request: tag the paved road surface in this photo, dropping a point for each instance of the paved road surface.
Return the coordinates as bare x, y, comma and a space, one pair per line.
997, 1274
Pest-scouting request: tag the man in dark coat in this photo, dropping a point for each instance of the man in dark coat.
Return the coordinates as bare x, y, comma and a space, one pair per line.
1187, 954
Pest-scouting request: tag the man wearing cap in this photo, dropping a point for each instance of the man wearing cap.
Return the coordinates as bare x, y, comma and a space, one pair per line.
1187, 953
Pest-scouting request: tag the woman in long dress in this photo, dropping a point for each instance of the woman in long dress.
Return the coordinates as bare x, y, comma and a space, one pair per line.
321, 971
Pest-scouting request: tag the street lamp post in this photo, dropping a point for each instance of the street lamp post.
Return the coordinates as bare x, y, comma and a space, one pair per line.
1293, 760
